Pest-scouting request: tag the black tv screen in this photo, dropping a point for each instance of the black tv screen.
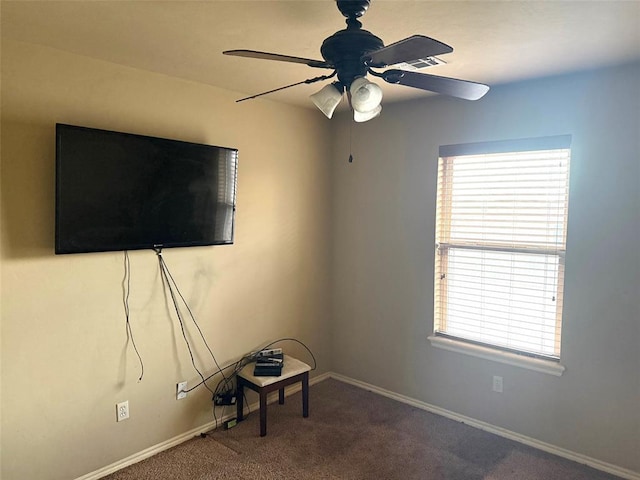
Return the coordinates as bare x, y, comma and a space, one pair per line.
120, 191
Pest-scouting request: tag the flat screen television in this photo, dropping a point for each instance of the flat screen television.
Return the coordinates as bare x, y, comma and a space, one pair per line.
120, 191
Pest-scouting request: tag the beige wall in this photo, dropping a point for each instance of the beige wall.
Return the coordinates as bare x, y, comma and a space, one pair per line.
383, 226
65, 359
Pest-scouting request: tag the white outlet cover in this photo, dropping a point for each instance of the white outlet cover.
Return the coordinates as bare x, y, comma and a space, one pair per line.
122, 411
497, 384
180, 394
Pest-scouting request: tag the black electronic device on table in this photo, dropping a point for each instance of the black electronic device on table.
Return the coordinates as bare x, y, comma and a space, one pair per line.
269, 364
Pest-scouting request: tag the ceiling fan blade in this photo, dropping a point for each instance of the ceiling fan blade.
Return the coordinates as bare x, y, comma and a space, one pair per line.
308, 81
432, 83
411, 48
278, 57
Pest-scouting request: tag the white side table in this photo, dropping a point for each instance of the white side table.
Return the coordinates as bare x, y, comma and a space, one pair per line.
293, 371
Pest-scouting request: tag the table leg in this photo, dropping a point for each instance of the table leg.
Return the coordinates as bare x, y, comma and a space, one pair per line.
263, 413
239, 402
305, 395
281, 396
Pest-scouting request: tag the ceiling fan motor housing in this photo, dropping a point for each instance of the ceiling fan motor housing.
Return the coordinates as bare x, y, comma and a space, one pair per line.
345, 49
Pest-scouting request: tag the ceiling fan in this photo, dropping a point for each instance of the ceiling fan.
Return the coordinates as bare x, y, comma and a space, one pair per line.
353, 53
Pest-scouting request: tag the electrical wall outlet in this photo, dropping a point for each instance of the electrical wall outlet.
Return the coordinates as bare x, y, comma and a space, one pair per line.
122, 411
180, 390
497, 384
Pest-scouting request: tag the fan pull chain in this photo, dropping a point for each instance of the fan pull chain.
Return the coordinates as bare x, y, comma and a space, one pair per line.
350, 142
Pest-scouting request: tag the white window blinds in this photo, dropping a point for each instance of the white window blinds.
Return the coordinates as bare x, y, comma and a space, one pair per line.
500, 243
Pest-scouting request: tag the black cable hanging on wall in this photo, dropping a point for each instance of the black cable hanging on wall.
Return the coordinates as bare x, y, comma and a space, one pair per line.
170, 284
126, 289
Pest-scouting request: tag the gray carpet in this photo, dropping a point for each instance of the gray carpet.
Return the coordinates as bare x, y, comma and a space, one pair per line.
354, 434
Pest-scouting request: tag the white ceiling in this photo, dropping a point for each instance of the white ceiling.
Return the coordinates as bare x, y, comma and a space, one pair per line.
494, 42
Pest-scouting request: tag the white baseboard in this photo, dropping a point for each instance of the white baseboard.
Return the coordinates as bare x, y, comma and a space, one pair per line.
532, 442
177, 440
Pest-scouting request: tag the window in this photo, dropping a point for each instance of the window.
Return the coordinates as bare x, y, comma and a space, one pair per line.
500, 244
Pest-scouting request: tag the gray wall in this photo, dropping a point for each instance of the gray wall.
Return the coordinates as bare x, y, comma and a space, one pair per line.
383, 248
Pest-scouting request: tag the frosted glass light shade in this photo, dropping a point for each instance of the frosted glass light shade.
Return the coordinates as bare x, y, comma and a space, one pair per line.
365, 96
364, 116
327, 99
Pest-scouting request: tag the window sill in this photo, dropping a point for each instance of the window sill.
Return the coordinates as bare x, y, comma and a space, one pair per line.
536, 364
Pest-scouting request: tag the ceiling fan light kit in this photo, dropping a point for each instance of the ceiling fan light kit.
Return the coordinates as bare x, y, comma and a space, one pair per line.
365, 95
328, 98
366, 116
352, 53
365, 98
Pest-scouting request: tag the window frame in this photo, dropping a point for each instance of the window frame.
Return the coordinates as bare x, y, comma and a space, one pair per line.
440, 338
